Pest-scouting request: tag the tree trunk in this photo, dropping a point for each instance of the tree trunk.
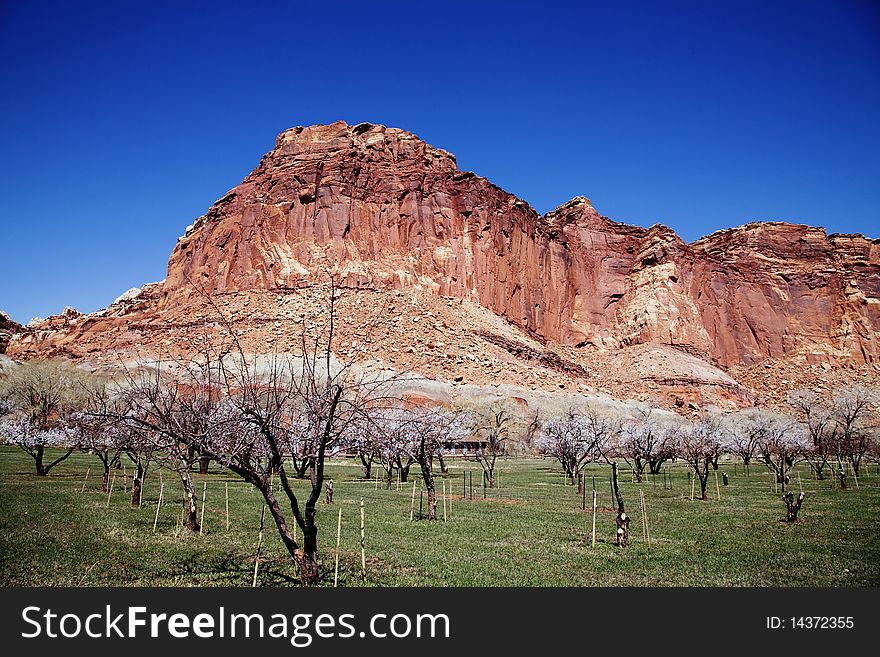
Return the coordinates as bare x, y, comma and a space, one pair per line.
404, 471
137, 484
310, 571
389, 478
38, 457
856, 464
622, 519
366, 466
301, 468
793, 505
704, 484
444, 467
105, 482
43, 468
432, 503
203, 465
281, 524
190, 515
426, 465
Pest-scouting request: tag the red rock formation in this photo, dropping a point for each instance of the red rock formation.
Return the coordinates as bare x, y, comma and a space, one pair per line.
8, 328
386, 210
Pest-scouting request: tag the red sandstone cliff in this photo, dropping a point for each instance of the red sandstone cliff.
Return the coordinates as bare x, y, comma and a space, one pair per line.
387, 210
446, 257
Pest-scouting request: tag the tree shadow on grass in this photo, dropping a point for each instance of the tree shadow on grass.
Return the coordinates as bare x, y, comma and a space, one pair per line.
228, 569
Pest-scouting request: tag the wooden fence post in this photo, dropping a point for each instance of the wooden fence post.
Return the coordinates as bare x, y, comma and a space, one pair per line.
112, 481
202, 518
227, 505
158, 505
412, 503
645, 517
338, 535
642, 509
444, 500
594, 519
259, 546
363, 556
83, 489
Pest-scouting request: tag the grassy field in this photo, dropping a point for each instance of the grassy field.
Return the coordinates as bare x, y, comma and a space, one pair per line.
530, 532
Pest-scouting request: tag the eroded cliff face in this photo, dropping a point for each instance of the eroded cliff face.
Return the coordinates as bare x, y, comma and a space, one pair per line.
384, 210
8, 328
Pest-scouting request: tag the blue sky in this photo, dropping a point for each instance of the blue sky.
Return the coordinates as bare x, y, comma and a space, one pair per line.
123, 121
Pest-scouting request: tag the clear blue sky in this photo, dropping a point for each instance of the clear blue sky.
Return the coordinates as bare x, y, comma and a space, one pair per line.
123, 121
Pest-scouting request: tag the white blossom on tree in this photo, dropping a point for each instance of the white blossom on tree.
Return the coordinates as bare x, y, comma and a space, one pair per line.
576, 438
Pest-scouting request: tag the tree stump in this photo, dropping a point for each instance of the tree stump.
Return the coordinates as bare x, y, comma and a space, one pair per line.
793, 505
725, 478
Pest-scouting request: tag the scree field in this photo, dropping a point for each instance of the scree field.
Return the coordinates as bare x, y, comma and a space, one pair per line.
531, 531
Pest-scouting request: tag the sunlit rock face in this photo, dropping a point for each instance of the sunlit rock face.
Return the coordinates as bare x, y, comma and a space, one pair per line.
384, 210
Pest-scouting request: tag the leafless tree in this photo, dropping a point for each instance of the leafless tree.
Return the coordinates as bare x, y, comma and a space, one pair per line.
855, 416
533, 425
100, 436
743, 433
699, 443
428, 429
645, 442
250, 415
577, 438
492, 422
782, 444
41, 397
817, 418
363, 440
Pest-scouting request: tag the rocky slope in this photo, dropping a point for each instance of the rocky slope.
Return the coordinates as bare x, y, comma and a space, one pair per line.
388, 213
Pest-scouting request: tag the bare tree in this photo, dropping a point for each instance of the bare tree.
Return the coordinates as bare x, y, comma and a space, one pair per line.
744, 432
577, 438
781, 445
428, 429
99, 435
249, 415
817, 418
855, 416
41, 396
533, 425
362, 439
492, 422
645, 442
699, 443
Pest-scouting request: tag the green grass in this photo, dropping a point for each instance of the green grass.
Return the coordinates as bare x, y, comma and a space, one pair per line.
530, 532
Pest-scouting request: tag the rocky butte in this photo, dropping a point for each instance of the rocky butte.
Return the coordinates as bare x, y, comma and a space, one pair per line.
394, 216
